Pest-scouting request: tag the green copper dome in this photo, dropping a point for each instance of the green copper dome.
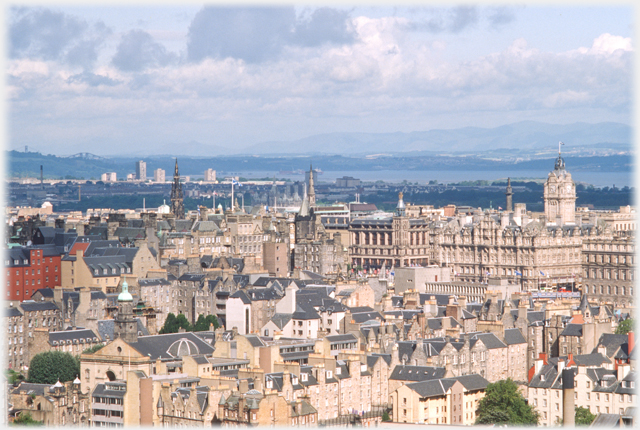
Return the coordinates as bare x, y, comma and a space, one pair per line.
125, 296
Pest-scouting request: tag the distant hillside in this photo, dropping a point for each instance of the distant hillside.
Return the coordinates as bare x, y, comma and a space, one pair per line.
22, 164
525, 136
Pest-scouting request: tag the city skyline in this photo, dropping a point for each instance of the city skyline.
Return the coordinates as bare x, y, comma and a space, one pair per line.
113, 77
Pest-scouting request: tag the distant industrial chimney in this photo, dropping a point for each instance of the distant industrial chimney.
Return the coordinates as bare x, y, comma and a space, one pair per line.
41, 178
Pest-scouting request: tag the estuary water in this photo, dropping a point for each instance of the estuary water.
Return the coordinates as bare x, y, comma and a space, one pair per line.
597, 179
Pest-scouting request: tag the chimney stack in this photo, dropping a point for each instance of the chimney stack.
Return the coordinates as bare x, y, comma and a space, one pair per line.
568, 400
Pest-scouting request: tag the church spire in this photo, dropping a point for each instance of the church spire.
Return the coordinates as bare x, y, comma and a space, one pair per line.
177, 199
312, 191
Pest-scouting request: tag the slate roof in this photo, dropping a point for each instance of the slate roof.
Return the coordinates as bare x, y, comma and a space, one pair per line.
281, 320
614, 344
80, 336
148, 282
102, 390
572, 330
513, 336
490, 340
373, 358
361, 317
341, 338
29, 388
33, 306
439, 387
157, 346
254, 340
436, 323
305, 312
358, 309
416, 373
12, 312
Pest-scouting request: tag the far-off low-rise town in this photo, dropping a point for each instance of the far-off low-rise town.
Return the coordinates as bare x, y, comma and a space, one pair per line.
323, 315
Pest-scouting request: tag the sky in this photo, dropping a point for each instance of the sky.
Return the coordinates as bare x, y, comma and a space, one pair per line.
110, 79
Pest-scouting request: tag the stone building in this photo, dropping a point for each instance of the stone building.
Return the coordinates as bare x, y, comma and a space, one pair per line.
54, 405
315, 249
391, 242
608, 267
22, 320
439, 401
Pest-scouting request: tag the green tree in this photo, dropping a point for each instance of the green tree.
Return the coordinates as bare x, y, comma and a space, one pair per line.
93, 349
173, 324
584, 417
25, 419
625, 326
49, 367
385, 416
504, 404
203, 323
13, 376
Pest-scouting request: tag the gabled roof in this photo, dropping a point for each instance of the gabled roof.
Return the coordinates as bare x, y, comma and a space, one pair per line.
281, 320
439, 387
490, 340
513, 336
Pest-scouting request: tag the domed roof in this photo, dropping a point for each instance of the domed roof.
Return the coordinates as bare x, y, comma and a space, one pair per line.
76, 381
183, 346
125, 296
58, 384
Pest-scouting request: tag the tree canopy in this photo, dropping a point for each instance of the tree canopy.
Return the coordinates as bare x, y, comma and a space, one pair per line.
203, 323
174, 323
583, 416
49, 367
25, 419
625, 326
504, 404
93, 349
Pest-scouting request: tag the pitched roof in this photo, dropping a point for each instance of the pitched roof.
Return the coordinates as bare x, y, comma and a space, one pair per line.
513, 336
572, 330
416, 373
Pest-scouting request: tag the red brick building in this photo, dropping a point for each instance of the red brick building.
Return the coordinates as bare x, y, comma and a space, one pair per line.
29, 269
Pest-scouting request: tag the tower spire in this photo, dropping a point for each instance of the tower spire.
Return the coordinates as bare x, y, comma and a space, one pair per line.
312, 191
177, 199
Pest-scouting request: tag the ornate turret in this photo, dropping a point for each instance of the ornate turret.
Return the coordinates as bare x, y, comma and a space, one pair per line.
400, 208
177, 199
125, 325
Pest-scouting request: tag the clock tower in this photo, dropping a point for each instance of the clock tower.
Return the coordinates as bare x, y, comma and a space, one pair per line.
560, 195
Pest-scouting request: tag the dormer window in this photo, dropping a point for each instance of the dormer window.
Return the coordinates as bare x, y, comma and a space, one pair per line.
338, 371
270, 383
304, 377
542, 377
329, 374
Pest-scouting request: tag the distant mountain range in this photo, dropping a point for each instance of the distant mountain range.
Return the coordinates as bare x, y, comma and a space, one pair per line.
525, 135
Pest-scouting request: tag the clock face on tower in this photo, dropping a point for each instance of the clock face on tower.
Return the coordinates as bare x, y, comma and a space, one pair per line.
568, 188
552, 188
